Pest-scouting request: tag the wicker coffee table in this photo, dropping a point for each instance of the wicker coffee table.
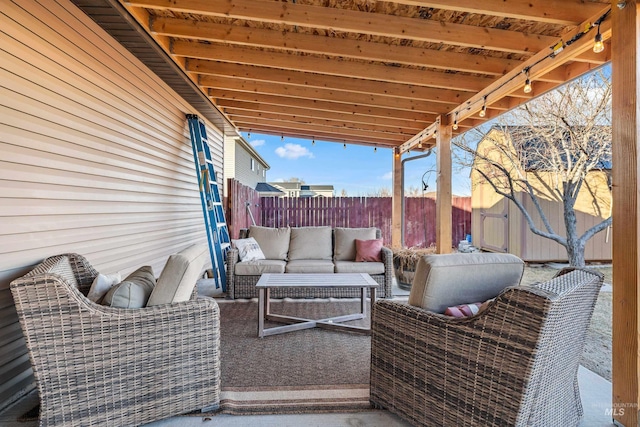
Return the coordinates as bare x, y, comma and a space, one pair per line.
313, 280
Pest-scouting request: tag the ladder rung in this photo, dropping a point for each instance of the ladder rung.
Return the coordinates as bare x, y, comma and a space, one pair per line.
221, 224
224, 245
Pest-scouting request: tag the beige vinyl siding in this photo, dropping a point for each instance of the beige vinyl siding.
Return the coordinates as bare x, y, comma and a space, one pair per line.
229, 159
95, 158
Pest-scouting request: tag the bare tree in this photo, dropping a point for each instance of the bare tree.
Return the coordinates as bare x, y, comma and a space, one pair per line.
553, 147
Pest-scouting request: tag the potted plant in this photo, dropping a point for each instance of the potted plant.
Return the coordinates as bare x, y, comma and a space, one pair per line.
405, 261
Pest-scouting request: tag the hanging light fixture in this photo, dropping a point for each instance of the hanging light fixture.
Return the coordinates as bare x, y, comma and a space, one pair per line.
483, 112
527, 83
455, 122
598, 44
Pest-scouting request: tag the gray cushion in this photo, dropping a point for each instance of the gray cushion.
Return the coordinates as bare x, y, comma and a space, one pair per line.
345, 241
179, 276
274, 242
448, 280
133, 291
256, 268
310, 243
359, 267
63, 268
309, 266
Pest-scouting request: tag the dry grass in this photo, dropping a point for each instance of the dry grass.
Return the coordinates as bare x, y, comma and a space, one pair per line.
597, 352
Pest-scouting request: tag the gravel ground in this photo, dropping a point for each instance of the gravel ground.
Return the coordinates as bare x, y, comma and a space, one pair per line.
597, 351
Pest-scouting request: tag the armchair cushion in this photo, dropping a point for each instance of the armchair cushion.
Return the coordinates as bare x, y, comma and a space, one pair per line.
443, 281
133, 291
345, 241
274, 242
310, 243
179, 276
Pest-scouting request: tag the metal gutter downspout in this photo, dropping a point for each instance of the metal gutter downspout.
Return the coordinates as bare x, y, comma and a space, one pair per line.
421, 156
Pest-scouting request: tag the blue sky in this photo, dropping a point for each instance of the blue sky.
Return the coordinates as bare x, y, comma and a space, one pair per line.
357, 169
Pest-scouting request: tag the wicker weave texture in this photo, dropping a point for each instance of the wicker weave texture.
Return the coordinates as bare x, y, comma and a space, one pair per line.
516, 363
100, 366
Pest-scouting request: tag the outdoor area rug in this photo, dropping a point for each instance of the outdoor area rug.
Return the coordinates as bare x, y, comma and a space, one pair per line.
312, 370
308, 371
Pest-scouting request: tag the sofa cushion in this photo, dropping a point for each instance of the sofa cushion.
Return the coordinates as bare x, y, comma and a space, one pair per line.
309, 266
368, 250
359, 267
248, 249
256, 268
310, 243
101, 285
345, 241
447, 280
179, 276
133, 291
274, 242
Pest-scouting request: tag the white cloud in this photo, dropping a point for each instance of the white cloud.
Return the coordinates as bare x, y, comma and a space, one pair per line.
293, 151
387, 176
257, 142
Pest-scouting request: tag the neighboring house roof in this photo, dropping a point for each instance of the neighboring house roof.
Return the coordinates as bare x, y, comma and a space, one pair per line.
516, 132
263, 187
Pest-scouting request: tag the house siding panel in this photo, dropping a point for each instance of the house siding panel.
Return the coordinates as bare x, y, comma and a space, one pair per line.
95, 158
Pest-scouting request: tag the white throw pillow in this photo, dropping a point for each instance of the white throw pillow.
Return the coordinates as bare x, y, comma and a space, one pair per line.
248, 249
101, 285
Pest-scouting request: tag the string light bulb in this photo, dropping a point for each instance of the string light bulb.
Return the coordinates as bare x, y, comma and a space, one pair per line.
435, 134
344, 145
281, 138
375, 149
455, 122
397, 153
483, 112
249, 134
598, 44
313, 141
420, 143
527, 83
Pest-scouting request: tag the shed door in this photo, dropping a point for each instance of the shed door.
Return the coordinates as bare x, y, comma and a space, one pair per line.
494, 229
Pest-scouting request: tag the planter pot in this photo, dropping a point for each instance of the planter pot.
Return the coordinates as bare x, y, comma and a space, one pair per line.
404, 278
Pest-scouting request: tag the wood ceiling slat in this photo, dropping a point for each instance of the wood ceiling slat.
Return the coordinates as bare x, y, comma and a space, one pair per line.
221, 97
334, 67
255, 109
348, 84
311, 132
378, 24
566, 12
312, 94
318, 44
237, 115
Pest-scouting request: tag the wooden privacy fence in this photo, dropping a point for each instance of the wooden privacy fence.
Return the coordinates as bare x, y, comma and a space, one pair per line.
420, 214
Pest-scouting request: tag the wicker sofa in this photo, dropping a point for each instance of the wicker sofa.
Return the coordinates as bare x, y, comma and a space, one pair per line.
514, 363
307, 250
97, 365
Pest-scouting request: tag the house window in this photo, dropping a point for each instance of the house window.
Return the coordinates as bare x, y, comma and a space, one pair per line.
253, 165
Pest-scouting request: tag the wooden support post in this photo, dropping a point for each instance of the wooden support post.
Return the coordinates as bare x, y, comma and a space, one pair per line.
443, 201
396, 202
626, 138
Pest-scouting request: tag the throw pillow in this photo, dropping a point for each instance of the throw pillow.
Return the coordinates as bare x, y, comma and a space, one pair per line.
467, 310
273, 242
368, 250
248, 249
134, 291
101, 285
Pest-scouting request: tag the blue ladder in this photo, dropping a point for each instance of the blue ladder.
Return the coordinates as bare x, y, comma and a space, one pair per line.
214, 221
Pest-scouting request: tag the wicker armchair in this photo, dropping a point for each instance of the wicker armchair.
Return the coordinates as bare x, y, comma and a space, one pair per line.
514, 363
101, 366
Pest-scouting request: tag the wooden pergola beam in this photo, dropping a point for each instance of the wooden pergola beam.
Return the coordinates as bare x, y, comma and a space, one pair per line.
444, 225
626, 187
352, 21
250, 109
314, 94
323, 45
224, 97
329, 66
316, 80
565, 12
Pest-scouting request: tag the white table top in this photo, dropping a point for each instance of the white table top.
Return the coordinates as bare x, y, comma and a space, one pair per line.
316, 280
